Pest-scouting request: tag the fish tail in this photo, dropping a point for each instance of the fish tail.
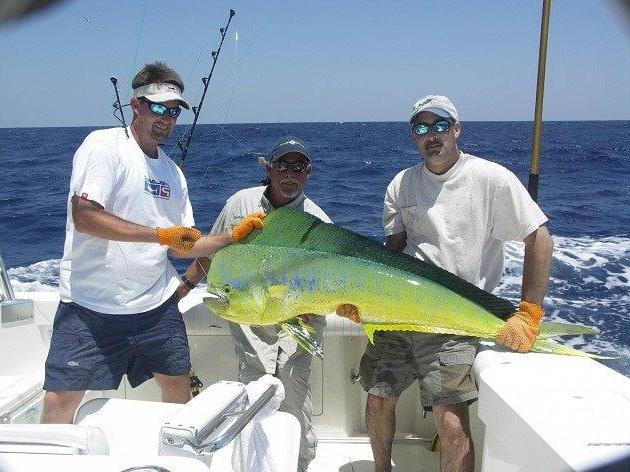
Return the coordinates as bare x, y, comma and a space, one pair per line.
551, 328
546, 346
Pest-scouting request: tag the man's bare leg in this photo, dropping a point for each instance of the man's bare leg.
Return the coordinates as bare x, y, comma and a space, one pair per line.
175, 388
60, 407
458, 453
380, 416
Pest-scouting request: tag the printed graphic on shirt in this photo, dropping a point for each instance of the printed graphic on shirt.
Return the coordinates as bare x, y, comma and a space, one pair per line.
159, 189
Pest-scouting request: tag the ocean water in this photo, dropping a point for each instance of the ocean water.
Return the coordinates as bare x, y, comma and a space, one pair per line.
584, 190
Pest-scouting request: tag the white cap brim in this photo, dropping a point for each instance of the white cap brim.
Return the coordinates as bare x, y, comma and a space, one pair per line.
162, 92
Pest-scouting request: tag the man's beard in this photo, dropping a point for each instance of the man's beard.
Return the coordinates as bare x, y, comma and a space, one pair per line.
160, 135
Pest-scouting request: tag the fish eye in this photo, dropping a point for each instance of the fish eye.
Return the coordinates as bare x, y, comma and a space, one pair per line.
227, 288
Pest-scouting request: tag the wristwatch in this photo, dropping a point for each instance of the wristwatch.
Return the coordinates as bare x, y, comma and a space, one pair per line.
188, 283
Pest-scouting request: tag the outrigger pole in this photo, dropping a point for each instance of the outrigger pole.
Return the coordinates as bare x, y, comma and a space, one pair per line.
532, 186
184, 141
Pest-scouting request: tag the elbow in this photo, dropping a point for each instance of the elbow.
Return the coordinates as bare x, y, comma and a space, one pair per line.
79, 222
79, 215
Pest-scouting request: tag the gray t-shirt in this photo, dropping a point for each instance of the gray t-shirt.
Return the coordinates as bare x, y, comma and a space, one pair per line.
259, 345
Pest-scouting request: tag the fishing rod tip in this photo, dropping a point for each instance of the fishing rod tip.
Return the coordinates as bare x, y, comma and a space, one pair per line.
113, 79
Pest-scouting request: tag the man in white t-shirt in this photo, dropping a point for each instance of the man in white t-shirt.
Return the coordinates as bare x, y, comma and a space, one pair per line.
128, 209
456, 211
266, 349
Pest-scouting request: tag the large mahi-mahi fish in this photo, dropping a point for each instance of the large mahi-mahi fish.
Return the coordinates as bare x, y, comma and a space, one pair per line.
297, 264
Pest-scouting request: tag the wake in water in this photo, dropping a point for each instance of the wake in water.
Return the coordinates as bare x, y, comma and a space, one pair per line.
588, 285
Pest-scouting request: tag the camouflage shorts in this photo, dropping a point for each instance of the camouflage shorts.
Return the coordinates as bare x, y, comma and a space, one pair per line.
441, 363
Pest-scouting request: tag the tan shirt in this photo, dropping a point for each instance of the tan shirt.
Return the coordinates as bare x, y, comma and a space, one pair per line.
259, 345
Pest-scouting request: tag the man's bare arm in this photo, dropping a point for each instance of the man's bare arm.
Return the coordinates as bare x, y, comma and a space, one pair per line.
91, 218
536, 265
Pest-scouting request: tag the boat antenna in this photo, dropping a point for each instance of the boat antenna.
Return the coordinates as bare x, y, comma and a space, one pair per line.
184, 142
118, 105
532, 186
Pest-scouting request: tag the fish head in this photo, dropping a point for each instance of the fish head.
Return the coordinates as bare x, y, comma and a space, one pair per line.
251, 287
237, 301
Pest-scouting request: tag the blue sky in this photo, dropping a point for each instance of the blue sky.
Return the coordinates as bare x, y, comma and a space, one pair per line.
320, 60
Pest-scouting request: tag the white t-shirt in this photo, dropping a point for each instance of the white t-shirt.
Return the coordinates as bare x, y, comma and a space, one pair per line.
460, 220
113, 276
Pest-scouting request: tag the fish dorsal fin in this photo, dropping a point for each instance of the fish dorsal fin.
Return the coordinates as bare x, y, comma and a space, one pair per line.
290, 228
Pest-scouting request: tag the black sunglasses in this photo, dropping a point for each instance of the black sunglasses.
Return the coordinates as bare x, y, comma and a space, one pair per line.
440, 126
300, 167
161, 109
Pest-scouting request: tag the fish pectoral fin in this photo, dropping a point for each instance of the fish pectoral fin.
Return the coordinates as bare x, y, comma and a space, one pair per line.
303, 336
303, 320
350, 311
277, 291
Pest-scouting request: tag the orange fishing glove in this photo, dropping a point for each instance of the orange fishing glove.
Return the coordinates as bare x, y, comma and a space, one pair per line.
180, 238
350, 311
249, 223
520, 330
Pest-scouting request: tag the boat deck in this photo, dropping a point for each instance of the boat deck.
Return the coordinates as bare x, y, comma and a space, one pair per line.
355, 455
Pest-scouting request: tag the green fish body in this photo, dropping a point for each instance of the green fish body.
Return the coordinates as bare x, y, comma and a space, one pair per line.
297, 264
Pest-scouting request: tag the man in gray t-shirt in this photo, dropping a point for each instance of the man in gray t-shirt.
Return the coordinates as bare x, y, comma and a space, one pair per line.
265, 349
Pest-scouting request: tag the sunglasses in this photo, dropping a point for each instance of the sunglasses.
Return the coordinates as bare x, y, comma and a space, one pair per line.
440, 126
160, 109
300, 167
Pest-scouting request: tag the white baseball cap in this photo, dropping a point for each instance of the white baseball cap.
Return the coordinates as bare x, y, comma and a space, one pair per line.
438, 104
160, 93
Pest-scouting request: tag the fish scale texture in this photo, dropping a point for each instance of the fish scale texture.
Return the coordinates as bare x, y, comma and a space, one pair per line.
286, 227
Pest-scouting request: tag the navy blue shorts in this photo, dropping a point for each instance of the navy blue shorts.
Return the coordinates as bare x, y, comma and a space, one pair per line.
92, 351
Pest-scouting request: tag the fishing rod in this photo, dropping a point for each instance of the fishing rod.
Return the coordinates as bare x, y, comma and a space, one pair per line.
532, 186
118, 105
184, 142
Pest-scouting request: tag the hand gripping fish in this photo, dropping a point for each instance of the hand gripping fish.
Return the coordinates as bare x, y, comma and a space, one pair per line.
298, 264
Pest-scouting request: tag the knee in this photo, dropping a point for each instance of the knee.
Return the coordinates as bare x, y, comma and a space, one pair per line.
62, 403
175, 382
378, 405
454, 432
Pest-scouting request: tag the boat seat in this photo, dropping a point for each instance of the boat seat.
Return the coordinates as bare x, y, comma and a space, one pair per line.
196, 430
64, 439
17, 391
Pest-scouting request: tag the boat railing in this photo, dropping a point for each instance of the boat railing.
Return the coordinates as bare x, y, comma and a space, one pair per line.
12, 311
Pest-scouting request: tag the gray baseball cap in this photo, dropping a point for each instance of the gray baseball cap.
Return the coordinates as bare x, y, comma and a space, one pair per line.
288, 145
